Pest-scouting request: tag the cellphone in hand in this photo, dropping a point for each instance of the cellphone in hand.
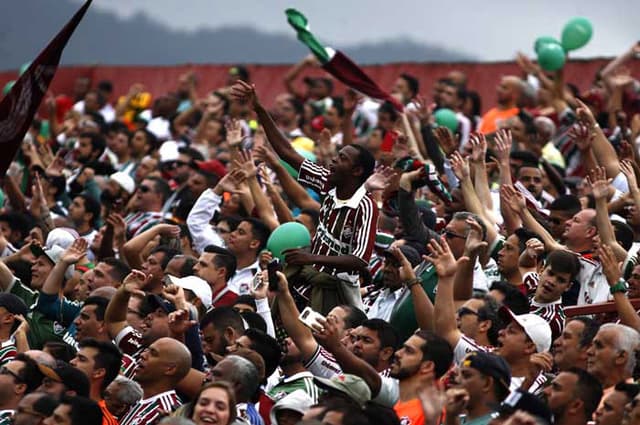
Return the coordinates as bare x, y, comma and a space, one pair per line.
310, 318
273, 267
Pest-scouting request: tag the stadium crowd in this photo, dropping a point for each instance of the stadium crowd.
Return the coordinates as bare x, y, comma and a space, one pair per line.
138, 286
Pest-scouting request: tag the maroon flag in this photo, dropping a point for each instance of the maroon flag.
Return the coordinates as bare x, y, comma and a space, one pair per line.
19, 106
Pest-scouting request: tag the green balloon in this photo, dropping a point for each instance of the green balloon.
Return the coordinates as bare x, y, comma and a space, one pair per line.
7, 87
551, 57
542, 40
576, 33
290, 235
24, 67
447, 118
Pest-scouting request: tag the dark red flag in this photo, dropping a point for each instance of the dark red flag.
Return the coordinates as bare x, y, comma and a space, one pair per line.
19, 106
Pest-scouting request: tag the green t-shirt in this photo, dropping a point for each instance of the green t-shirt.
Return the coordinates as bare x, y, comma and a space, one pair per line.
403, 316
41, 329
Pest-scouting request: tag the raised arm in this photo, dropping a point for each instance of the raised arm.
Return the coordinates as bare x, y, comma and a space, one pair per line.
516, 202
474, 247
53, 283
246, 93
603, 150
283, 213
132, 250
299, 333
600, 190
444, 310
115, 317
626, 312
294, 72
425, 315
265, 211
295, 192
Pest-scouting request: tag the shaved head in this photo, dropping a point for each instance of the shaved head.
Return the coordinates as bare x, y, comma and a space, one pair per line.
177, 353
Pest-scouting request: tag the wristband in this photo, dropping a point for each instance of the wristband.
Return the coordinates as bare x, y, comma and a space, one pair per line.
621, 286
412, 282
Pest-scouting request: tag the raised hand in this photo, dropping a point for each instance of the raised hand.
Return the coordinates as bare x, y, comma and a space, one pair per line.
379, 180
244, 92
513, 198
446, 139
175, 294
75, 252
442, 258
327, 334
474, 245
350, 101
425, 109
179, 322
246, 164
260, 290
478, 148
460, 166
234, 132
116, 221
581, 136
534, 248
457, 400
597, 180
503, 146
265, 154
401, 148
38, 200
609, 263
135, 281
406, 272
627, 169
585, 116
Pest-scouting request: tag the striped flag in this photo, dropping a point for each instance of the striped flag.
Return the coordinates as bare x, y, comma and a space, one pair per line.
19, 106
337, 63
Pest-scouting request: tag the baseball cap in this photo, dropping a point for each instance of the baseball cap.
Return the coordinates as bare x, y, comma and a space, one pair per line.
491, 365
410, 252
352, 386
153, 302
527, 402
62, 237
384, 240
13, 304
198, 286
536, 328
72, 378
212, 166
52, 254
169, 151
124, 180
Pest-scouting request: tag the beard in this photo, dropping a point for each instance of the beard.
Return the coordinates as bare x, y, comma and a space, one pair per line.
404, 372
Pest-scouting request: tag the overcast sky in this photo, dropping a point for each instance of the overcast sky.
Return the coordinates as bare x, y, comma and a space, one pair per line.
490, 30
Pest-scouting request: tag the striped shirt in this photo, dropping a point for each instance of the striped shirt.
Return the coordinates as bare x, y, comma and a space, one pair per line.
553, 313
141, 221
347, 227
150, 410
465, 346
8, 351
129, 342
300, 381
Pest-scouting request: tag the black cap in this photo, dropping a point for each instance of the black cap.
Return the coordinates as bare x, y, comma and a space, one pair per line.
527, 402
410, 252
72, 378
153, 302
13, 304
490, 365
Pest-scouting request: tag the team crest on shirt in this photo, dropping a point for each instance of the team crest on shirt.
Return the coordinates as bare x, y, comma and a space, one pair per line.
58, 328
347, 232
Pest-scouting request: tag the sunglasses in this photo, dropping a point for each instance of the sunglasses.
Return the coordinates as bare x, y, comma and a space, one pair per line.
452, 235
144, 189
466, 311
6, 371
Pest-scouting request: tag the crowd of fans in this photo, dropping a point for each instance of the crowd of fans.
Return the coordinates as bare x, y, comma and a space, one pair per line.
137, 287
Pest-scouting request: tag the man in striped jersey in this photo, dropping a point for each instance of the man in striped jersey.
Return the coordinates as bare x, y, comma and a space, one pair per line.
165, 363
561, 269
343, 243
10, 306
149, 199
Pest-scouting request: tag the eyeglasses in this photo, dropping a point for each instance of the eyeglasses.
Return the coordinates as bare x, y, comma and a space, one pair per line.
144, 189
452, 235
465, 311
6, 371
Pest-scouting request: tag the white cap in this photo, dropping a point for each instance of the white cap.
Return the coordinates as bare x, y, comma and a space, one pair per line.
124, 180
198, 286
62, 237
536, 328
169, 151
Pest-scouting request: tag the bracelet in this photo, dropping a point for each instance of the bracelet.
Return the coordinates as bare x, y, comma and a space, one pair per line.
412, 282
621, 286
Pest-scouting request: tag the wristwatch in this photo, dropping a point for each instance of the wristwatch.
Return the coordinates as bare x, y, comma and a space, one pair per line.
621, 286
